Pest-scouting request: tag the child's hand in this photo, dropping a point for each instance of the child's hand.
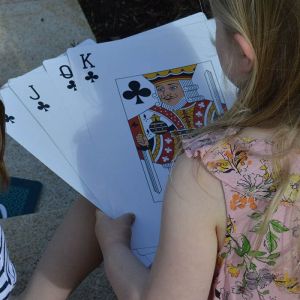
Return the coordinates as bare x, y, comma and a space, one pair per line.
110, 231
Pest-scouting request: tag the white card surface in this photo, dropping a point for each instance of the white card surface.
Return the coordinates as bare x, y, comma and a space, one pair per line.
46, 107
76, 62
22, 127
62, 79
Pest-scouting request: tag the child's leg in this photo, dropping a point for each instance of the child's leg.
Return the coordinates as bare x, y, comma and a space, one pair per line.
70, 256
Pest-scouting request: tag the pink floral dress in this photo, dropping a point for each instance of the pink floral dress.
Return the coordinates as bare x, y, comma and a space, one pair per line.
243, 271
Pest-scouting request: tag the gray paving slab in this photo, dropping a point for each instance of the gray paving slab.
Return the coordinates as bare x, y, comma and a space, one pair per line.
34, 30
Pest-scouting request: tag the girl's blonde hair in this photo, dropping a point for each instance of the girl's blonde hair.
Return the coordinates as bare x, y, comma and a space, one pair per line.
270, 97
272, 28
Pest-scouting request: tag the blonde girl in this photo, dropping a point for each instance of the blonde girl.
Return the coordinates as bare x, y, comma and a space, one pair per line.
229, 227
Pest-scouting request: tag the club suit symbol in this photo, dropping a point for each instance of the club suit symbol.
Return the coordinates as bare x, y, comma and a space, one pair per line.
136, 91
9, 119
72, 85
43, 106
91, 76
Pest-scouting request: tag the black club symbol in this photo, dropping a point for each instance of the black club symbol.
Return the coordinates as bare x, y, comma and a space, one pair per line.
137, 92
72, 85
43, 106
9, 119
91, 76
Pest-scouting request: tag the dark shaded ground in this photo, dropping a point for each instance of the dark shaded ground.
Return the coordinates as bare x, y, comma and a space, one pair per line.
114, 19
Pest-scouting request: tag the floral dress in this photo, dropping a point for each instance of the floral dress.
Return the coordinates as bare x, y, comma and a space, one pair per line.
245, 269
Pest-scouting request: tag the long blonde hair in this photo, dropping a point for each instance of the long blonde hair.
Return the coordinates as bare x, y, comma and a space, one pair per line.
270, 97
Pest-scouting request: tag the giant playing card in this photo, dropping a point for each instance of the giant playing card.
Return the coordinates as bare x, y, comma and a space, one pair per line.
149, 92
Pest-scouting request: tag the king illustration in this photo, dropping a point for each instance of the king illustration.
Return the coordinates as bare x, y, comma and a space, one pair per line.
179, 109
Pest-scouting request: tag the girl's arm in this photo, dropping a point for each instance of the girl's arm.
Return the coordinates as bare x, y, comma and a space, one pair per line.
126, 274
184, 265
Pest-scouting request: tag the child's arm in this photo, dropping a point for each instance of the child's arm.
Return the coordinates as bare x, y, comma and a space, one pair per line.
126, 274
72, 253
186, 257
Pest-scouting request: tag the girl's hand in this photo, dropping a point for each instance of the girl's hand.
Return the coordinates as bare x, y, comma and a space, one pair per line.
111, 232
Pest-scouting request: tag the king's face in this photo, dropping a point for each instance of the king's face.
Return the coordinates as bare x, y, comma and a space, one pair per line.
169, 92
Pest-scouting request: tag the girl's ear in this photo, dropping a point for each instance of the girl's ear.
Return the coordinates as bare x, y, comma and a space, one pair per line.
247, 53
